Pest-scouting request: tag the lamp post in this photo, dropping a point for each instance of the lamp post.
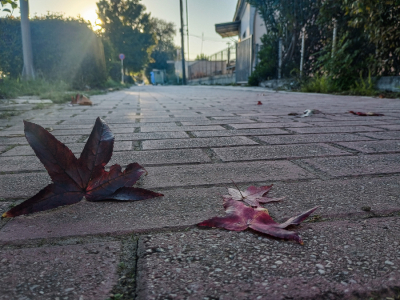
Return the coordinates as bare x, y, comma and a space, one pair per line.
28, 72
182, 46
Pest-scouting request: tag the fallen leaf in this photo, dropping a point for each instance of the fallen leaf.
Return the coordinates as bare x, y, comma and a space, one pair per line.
84, 177
253, 195
363, 114
239, 217
81, 100
259, 103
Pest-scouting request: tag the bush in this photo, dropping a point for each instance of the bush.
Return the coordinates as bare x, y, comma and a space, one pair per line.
63, 49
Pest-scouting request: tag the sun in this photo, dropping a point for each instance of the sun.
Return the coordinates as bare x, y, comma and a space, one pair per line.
91, 16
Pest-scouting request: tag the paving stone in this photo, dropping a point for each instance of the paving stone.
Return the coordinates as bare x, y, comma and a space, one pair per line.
348, 123
359, 165
337, 198
151, 136
16, 186
389, 127
311, 138
75, 148
384, 135
179, 128
59, 272
217, 122
198, 143
178, 208
276, 152
160, 157
223, 173
373, 146
334, 129
243, 132
338, 261
21, 163
270, 125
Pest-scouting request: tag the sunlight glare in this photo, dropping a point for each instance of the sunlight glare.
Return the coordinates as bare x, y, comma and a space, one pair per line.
91, 16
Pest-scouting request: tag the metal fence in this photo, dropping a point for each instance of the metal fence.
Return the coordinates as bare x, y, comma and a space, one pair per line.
244, 61
220, 63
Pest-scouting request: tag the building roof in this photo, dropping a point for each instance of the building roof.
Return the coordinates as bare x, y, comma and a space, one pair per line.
228, 29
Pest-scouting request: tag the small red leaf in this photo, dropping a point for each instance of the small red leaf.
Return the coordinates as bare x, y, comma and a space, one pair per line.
259, 103
240, 217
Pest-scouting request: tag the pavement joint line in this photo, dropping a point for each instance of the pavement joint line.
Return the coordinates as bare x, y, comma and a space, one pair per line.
311, 169
212, 155
140, 233
344, 148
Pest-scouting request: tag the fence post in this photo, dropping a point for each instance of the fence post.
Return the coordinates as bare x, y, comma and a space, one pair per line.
302, 52
280, 59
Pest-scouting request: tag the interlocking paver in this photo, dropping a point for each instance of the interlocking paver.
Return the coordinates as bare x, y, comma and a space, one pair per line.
384, 135
349, 129
311, 138
269, 125
198, 143
151, 136
243, 132
373, 146
59, 272
276, 152
338, 260
359, 165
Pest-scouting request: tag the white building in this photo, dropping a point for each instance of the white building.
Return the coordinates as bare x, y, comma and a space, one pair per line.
249, 27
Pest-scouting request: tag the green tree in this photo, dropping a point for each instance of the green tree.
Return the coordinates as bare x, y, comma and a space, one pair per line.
165, 49
12, 3
129, 30
380, 21
202, 56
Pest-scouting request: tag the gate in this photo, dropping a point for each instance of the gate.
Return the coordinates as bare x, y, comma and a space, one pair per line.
243, 60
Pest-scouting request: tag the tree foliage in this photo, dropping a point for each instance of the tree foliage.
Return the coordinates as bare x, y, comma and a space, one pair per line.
368, 38
13, 4
165, 48
129, 29
63, 49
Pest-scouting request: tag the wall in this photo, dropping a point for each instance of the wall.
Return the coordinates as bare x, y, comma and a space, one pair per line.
388, 83
220, 79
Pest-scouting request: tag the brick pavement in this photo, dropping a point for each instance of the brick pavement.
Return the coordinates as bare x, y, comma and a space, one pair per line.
193, 142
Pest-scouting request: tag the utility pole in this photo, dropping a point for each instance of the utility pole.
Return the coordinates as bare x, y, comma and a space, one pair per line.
202, 40
334, 37
28, 72
187, 30
182, 47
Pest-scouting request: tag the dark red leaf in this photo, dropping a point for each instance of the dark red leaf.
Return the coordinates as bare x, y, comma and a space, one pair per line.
240, 217
259, 103
74, 178
367, 114
50, 197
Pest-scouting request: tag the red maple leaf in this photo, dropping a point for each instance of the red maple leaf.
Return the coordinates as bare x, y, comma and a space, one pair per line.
239, 217
84, 177
253, 195
259, 103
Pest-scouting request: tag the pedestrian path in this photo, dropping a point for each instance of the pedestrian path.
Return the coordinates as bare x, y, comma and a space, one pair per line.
195, 142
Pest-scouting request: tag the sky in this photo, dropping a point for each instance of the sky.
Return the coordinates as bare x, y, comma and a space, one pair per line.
203, 15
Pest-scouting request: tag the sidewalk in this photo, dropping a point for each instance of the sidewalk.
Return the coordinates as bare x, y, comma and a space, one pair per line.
194, 141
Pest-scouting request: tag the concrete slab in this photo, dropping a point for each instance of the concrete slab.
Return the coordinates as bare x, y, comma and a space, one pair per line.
59, 272
277, 152
160, 157
75, 148
197, 143
179, 128
219, 173
151, 136
311, 138
373, 146
338, 261
384, 135
389, 127
359, 165
350, 129
242, 132
270, 125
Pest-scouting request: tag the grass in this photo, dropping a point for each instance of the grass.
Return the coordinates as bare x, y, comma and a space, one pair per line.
9, 114
58, 91
42, 105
